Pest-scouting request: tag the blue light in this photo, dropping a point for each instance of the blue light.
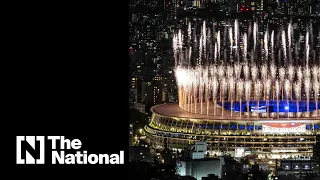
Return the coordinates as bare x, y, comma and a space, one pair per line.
284, 106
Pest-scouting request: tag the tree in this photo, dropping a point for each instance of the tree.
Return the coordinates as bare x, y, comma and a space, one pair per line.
213, 176
136, 117
138, 120
244, 161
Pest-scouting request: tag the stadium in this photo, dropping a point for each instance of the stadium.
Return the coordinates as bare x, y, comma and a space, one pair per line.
267, 137
241, 103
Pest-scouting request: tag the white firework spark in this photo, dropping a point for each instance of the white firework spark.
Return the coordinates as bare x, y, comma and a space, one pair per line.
199, 82
287, 88
273, 71
265, 42
258, 89
240, 88
264, 71
245, 46
297, 89
282, 73
247, 89
291, 71
283, 43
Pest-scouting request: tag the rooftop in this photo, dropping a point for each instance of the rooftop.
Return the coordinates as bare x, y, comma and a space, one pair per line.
174, 111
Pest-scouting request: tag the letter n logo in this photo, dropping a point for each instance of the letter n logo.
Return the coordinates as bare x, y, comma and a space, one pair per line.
30, 149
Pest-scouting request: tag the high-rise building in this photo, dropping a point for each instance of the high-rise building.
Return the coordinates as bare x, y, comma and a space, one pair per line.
169, 89
147, 31
140, 107
198, 165
188, 4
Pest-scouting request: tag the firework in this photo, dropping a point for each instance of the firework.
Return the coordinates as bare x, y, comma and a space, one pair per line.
199, 82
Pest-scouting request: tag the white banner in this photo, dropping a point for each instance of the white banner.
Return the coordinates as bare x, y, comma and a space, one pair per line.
281, 128
239, 152
283, 150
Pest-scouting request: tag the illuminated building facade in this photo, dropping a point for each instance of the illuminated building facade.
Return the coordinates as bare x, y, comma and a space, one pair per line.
268, 138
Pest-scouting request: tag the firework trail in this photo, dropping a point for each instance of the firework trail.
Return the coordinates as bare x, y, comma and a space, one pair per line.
201, 81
